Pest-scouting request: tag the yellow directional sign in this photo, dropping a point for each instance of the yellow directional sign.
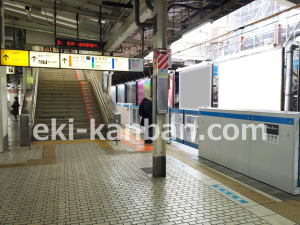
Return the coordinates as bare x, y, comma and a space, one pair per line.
14, 58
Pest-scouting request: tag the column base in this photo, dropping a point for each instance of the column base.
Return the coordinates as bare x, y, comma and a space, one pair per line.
5, 144
159, 166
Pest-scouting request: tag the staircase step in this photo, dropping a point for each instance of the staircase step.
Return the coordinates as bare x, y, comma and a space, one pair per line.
66, 121
65, 107
66, 130
73, 116
66, 112
66, 101
75, 136
62, 97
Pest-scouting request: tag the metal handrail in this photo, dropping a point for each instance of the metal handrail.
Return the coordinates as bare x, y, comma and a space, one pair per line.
108, 111
34, 95
28, 111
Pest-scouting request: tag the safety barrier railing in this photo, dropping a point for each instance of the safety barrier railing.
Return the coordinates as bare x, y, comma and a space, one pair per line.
185, 126
107, 106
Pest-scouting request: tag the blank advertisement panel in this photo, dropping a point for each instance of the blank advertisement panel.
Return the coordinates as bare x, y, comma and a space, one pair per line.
195, 87
252, 82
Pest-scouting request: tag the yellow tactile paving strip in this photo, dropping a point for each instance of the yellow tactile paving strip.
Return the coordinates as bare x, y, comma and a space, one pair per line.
48, 158
49, 152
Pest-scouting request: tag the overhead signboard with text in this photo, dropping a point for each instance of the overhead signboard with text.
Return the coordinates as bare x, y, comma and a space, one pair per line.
69, 61
136, 64
14, 58
44, 59
92, 62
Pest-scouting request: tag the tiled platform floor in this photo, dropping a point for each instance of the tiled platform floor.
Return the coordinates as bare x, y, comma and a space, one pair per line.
88, 185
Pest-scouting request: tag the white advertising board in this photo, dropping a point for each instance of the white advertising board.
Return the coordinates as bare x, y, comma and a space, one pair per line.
251, 82
44, 59
195, 87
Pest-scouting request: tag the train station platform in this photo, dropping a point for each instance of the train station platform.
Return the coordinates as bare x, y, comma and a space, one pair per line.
99, 182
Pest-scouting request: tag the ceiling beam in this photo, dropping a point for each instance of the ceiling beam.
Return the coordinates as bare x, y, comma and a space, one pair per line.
82, 12
23, 24
127, 28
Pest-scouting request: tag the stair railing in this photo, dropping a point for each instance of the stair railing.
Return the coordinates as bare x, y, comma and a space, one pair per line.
28, 111
34, 94
107, 106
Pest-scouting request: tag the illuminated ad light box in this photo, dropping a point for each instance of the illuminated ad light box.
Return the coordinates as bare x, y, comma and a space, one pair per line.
92, 62
251, 82
195, 87
44, 59
14, 58
144, 90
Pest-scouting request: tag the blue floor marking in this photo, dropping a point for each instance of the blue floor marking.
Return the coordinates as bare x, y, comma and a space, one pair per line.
176, 162
230, 194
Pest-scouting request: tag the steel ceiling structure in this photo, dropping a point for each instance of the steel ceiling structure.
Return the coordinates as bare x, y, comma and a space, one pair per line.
120, 33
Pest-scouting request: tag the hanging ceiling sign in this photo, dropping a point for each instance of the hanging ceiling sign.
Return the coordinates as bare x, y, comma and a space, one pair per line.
44, 59
78, 44
85, 62
136, 65
14, 58
121, 64
69, 61
93, 62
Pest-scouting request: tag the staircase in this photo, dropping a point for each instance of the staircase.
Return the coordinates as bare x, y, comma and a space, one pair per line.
64, 95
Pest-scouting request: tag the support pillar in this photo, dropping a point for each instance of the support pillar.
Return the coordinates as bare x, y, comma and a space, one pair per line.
159, 42
109, 82
278, 34
3, 92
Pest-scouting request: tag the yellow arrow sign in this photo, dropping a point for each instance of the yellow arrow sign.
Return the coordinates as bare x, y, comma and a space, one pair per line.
14, 58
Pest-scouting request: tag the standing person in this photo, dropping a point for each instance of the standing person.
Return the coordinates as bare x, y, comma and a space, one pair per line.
145, 111
15, 110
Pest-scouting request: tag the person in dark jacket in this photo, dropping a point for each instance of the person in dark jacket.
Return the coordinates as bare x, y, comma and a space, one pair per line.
147, 114
15, 106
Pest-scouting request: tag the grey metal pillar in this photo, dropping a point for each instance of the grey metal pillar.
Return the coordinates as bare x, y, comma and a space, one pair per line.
289, 77
109, 82
159, 89
3, 92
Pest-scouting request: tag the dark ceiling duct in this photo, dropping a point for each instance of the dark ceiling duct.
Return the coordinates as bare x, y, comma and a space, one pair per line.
148, 4
115, 4
137, 16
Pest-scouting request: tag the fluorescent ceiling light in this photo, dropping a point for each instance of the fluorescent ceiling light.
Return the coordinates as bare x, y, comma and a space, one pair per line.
59, 17
15, 5
202, 26
102, 21
15, 10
